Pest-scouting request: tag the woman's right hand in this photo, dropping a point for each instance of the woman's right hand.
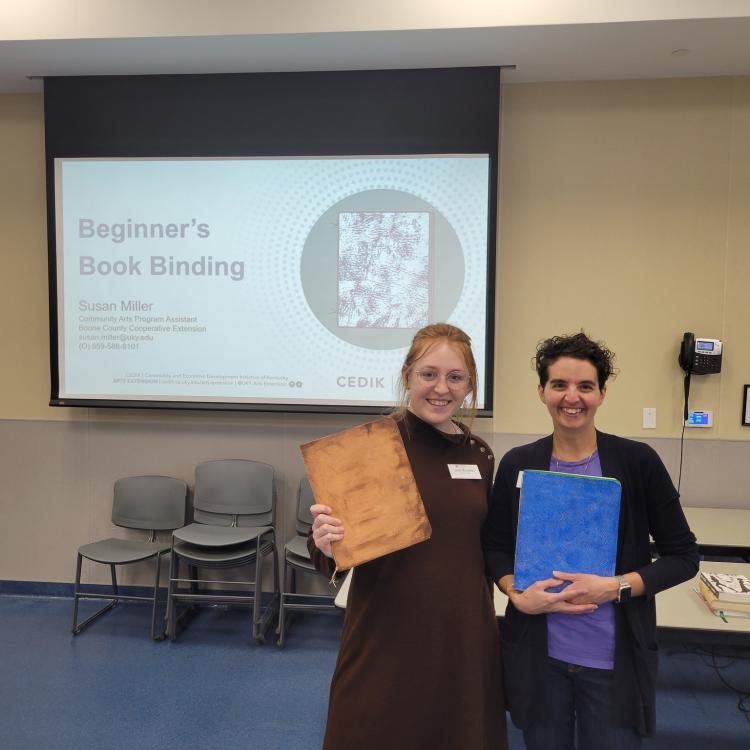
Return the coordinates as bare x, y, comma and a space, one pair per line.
325, 529
536, 600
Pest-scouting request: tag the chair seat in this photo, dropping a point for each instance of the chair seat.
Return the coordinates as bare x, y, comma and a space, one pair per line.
298, 547
120, 551
300, 562
206, 535
231, 555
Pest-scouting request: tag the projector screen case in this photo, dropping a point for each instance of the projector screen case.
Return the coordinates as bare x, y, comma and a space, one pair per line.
291, 282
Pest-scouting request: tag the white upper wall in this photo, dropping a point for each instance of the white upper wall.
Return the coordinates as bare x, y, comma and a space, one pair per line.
533, 40
113, 19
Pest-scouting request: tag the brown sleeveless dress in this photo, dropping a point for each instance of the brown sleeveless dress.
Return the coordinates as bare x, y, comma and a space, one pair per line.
419, 660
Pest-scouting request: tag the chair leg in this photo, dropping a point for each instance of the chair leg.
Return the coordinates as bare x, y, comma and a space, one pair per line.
174, 567
292, 590
156, 596
114, 581
78, 627
76, 589
176, 620
276, 588
281, 627
258, 633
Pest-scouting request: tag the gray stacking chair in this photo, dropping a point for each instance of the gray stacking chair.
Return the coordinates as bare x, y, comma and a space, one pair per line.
297, 557
234, 515
148, 503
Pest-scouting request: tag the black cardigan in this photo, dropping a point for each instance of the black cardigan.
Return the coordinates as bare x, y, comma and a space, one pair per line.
651, 506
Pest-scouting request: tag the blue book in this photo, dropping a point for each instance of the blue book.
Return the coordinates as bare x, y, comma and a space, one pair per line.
566, 522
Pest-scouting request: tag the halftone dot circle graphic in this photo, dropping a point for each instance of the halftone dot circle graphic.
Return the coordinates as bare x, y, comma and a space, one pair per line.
439, 254
316, 185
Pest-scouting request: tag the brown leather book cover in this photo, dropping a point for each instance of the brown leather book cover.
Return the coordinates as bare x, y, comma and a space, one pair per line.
364, 475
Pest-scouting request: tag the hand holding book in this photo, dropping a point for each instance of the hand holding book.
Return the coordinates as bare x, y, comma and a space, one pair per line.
583, 594
362, 478
587, 588
537, 599
326, 529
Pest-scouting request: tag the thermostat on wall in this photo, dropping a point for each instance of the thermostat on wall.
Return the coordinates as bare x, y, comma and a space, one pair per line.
700, 419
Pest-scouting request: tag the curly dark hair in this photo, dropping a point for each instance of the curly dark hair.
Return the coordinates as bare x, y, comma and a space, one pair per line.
578, 346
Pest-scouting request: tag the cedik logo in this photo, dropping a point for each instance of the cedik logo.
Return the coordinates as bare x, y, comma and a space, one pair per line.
359, 381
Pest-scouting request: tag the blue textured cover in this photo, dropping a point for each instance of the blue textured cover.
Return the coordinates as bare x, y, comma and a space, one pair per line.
566, 522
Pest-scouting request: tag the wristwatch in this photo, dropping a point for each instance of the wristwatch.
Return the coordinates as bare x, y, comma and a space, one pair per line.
623, 593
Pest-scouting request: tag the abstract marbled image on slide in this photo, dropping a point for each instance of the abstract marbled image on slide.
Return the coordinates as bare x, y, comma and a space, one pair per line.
384, 269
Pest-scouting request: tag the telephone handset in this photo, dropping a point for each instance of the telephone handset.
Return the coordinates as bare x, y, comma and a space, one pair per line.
699, 356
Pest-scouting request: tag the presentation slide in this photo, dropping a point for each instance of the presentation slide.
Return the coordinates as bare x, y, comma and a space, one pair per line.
283, 281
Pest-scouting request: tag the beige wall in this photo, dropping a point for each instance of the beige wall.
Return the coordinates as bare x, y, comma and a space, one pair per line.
623, 211
23, 240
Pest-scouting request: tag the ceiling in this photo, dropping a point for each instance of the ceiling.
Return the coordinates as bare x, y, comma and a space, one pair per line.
681, 47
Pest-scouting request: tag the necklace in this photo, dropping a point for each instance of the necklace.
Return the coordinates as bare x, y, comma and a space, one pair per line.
585, 468
454, 429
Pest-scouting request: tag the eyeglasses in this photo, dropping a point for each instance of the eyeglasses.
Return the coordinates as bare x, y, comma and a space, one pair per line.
428, 377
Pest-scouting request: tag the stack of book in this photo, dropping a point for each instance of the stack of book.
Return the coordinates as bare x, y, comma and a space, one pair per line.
727, 594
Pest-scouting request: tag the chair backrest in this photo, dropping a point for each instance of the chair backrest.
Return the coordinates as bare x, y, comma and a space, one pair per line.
305, 499
235, 492
149, 502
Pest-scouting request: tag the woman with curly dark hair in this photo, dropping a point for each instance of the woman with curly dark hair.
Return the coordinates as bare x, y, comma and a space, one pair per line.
580, 663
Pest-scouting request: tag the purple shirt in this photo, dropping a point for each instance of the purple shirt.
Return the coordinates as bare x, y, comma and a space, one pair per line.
587, 640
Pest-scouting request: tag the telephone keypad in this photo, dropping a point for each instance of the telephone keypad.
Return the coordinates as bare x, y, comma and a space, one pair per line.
706, 362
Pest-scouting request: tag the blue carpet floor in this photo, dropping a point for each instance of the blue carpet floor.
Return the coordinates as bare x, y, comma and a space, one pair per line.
112, 687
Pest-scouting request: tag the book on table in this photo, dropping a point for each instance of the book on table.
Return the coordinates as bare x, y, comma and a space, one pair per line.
568, 523
719, 608
728, 587
363, 474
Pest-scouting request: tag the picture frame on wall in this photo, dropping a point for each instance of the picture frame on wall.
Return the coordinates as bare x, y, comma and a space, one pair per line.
746, 405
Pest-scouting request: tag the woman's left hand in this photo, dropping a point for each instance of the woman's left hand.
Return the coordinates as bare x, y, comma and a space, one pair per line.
586, 588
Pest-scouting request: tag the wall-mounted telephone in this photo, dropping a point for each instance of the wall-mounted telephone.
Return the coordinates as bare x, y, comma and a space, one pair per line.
699, 356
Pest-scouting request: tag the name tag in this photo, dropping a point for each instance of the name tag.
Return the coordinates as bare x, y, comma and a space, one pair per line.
464, 471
